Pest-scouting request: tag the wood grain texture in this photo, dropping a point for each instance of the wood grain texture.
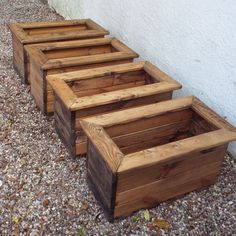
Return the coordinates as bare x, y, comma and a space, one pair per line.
169, 149
102, 180
132, 92
115, 88
37, 32
131, 179
65, 125
106, 147
80, 114
142, 112
176, 149
177, 186
211, 116
18, 57
100, 72
62, 52
32, 33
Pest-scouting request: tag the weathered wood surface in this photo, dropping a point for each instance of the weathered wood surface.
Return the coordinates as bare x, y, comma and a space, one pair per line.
38, 32
102, 180
169, 149
106, 89
93, 53
130, 179
64, 124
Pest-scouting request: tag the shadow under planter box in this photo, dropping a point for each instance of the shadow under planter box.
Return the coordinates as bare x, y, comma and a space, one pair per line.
26, 33
142, 156
90, 92
55, 58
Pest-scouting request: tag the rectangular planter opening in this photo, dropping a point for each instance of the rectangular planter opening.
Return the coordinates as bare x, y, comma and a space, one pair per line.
158, 130
111, 83
102, 90
57, 29
77, 52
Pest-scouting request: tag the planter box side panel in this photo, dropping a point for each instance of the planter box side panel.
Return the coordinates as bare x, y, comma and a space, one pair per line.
64, 124
50, 99
18, 57
37, 84
147, 187
101, 180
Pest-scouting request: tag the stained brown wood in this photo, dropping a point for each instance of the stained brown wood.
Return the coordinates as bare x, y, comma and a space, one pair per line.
142, 112
169, 149
178, 188
101, 180
38, 32
106, 89
64, 124
63, 60
132, 179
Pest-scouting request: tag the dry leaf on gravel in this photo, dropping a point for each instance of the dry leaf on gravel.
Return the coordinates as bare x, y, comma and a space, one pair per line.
46, 202
16, 220
84, 206
160, 223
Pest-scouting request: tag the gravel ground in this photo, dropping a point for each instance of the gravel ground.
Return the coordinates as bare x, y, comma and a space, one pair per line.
44, 192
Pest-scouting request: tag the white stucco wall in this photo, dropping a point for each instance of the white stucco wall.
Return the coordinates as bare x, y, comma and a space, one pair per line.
193, 41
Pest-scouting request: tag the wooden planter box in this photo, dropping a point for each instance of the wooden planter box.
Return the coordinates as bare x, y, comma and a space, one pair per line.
90, 92
142, 156
54, 58
39, 32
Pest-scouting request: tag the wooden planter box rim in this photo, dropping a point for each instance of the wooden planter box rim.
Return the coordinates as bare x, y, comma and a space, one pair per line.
59, 85
118, 162
18, 29
36, 52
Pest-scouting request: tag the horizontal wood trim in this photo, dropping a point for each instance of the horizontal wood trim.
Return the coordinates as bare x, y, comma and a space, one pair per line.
19, 29
91, 59
43, 24
122, 95
99, 72
174, 150
142, 112
71, 44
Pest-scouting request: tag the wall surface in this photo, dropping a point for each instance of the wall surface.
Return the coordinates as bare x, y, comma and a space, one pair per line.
193, 41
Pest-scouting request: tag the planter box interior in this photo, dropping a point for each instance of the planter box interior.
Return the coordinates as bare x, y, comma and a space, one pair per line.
55, 58
26, 33
90, 92
146, 155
